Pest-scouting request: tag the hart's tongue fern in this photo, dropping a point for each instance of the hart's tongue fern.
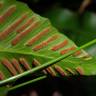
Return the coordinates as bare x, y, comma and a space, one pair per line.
28, 40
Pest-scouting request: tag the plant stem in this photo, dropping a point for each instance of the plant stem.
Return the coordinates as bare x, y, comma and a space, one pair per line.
26, 83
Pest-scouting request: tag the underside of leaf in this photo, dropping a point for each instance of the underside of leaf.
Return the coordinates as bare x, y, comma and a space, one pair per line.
28, 40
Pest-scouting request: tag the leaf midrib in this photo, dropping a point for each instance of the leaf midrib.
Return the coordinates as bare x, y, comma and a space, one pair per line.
24, 53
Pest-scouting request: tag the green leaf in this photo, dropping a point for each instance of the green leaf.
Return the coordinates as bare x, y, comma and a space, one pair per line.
28, 40
88, 27
3, 90
63, 19
92, 50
